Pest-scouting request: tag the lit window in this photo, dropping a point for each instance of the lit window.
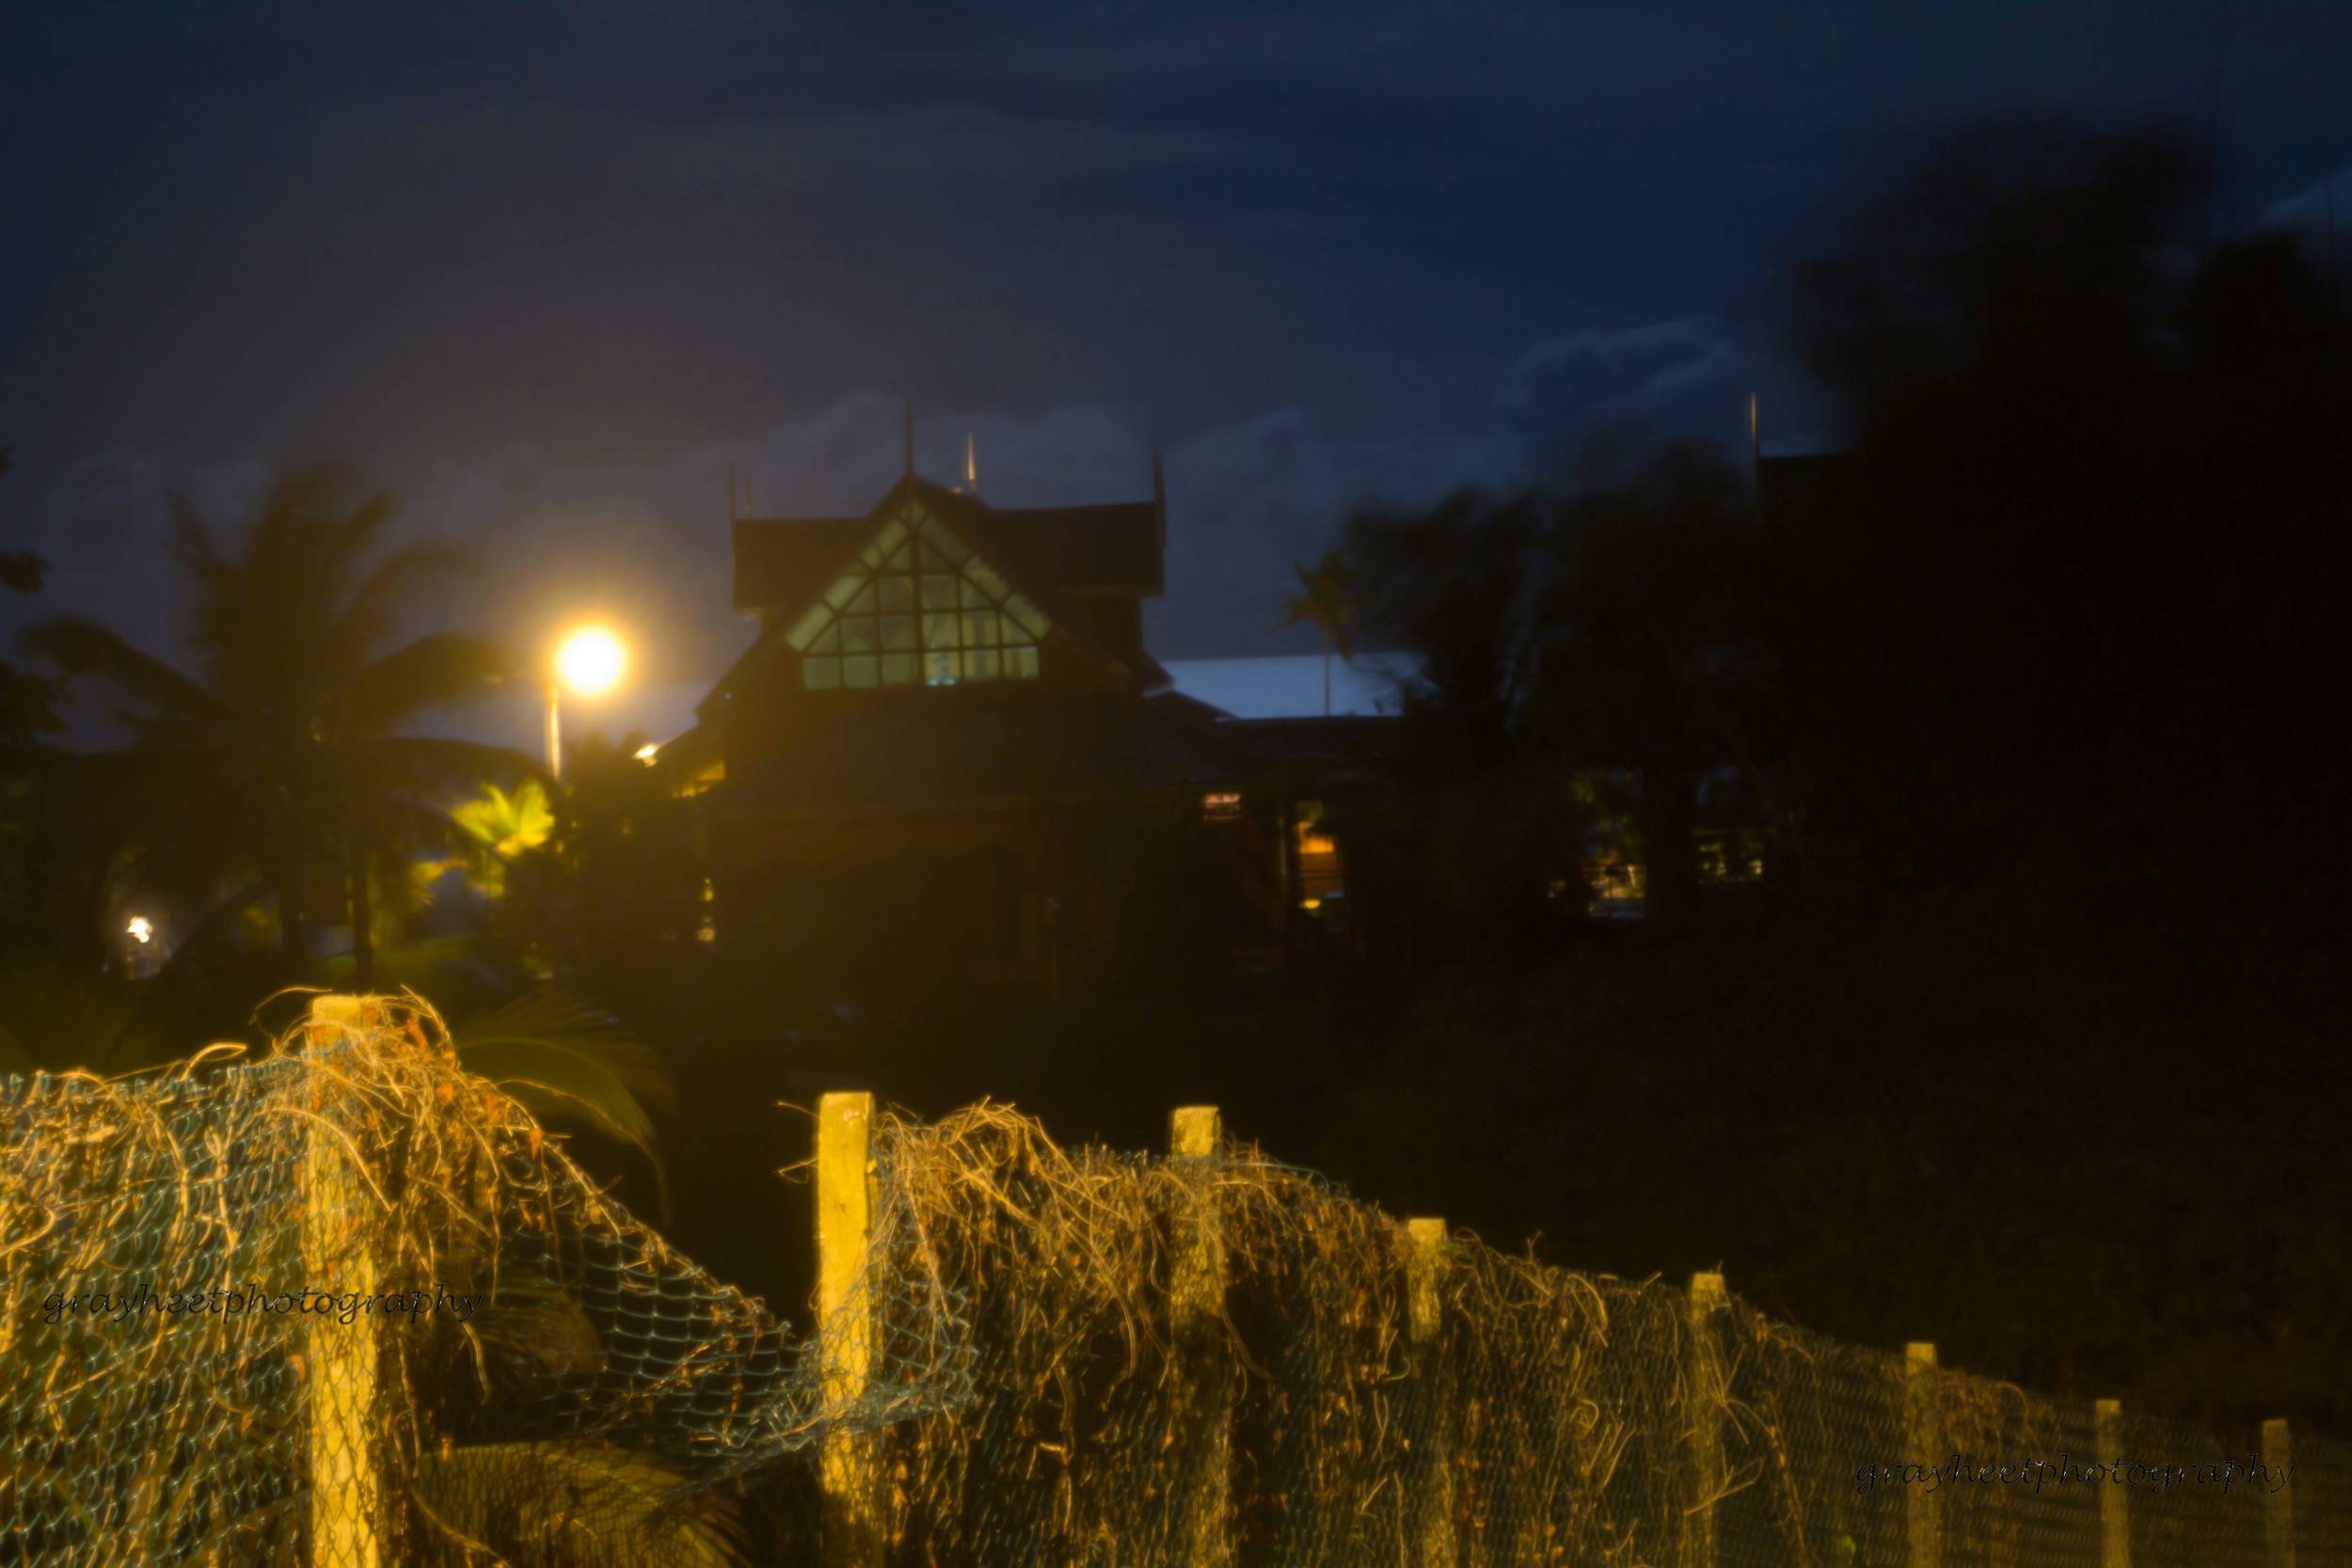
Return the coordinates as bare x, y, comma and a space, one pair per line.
1221, 805
928, 612
1315, 854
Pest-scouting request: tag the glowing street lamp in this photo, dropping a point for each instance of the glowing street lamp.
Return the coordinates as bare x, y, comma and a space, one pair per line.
589, 661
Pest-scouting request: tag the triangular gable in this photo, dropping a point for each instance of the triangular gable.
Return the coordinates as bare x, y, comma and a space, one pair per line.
916, 608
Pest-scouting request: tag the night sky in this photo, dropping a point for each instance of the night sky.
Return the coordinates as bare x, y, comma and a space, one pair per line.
549, 270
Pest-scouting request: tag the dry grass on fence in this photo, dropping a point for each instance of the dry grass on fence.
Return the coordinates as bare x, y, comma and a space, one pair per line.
600, 1367
1551, 1416
1563, 1434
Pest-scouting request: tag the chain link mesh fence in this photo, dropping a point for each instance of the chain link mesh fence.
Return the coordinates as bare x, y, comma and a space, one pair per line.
348, 1305
1355, 1398
410, 1331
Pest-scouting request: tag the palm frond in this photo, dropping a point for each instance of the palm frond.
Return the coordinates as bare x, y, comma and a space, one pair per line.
507, 825
563, 1058
428, 764
377, 604
572, 1504
347, 539
432, 672
79, 648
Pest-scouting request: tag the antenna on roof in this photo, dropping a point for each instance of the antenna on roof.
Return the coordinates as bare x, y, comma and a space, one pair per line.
1756, 432
970, 466
910, 438
2335, 270
1159, 496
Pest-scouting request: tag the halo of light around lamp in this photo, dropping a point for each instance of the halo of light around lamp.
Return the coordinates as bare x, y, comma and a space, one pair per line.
589, 661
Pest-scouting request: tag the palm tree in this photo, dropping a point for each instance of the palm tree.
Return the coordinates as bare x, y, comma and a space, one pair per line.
281, 757
1326, 599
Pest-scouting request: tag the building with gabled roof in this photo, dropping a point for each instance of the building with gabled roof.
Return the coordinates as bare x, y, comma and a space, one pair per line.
946, 714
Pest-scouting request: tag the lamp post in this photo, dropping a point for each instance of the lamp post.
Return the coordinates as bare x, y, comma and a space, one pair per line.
589, 661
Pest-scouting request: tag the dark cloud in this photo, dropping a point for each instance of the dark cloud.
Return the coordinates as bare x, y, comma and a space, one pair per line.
548, 269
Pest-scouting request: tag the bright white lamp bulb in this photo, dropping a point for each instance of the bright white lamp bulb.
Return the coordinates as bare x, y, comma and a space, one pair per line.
590, 661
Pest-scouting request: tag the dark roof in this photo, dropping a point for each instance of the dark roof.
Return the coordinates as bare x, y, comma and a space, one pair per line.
1791, 492
1351, 737
783, 563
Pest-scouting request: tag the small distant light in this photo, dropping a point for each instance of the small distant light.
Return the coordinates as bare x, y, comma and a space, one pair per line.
142, 929
646, 752
1310, 903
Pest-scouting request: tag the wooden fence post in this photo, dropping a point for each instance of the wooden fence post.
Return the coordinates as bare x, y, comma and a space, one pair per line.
2278, 1497
1434, 1526
1195, 1307
850, 1467
1706, 1382
1924, 1434
2115, 1502
338, 1359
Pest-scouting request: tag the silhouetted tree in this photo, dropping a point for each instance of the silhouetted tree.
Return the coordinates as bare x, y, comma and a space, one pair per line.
1647, 659
1325, 600
2069, 609
281, 757
27, 703
1491, 822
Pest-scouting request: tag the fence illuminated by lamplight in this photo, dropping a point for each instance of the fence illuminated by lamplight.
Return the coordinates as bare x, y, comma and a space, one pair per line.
1024, 1355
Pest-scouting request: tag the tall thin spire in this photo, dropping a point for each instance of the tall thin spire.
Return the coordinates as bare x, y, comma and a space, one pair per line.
1159, 496
1756, 432
2335, 270
971, 464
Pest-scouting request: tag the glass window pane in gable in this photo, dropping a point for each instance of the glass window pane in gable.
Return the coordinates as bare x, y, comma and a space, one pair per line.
897, 594
931, 559
1015, 635
939, 669
980, 664
893, 534
859, 634
1021, 665
861, 670
939, 592
897, 669
864, 603
1026, 613
979, 630
820, 675
945, 542
939, 631
828, 641
897, 631
900, 560
843, 589
813, 619
973, 596
990, 583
